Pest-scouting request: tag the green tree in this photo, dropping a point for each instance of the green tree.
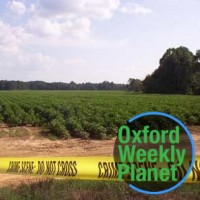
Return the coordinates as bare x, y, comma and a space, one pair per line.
195, 83
198, 55
135, 85
174, 73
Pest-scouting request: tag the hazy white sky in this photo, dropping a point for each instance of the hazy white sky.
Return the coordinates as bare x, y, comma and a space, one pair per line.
92, 40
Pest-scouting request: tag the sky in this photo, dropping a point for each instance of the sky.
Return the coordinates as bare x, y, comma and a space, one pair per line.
92, 40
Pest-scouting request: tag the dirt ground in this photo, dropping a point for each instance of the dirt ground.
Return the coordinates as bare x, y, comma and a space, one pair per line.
28, 142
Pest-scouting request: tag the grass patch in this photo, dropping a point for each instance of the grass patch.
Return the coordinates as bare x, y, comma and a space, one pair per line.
88, 190
12, 132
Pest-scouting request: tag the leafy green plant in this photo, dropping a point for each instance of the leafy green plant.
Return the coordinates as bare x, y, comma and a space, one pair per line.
86, 114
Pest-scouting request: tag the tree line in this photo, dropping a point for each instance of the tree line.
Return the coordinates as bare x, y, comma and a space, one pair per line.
41, 85
178, 73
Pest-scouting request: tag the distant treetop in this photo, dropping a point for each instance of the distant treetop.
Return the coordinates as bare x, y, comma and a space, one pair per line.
41, 85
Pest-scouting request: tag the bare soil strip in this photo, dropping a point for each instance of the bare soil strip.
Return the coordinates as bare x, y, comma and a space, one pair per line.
28, 142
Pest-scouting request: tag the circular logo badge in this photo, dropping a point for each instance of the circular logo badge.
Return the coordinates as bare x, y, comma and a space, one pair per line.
154, 152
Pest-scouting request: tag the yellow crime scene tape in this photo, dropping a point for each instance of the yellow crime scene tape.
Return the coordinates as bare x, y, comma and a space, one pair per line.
88, 168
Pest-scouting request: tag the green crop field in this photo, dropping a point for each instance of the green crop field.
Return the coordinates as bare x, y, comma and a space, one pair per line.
90, 114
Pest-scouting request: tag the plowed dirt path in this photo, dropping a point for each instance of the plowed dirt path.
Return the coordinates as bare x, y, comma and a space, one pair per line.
28, 142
